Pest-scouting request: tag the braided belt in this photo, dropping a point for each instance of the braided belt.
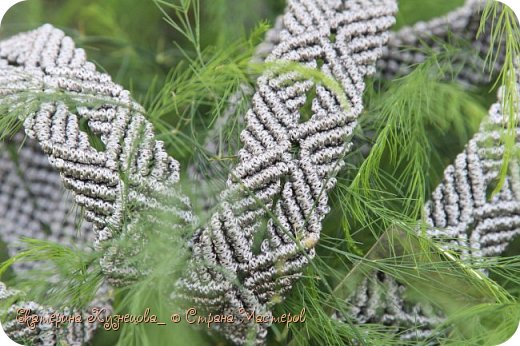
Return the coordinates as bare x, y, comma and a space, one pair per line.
459, 215
264, 230
286, 164
134, 169
34, 204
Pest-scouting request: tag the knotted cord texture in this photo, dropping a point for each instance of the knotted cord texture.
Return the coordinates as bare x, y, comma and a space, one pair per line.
264, 232
410, 45
459, 214
462, 219
47, 332
405, 48
379, 298
287, 163
459, 30
34, 204
133, 171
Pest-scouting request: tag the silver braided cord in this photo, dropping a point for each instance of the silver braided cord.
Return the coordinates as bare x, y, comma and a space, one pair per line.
405, 48
33, 203
263, 232
461, 24
459, 29
32, 199
47, 332
132, 172
211, 178
379, 298
459, 214
286, 164
462, 220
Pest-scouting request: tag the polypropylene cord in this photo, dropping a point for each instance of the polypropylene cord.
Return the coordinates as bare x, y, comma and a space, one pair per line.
405, 48
46, 331
459, 215
458, 29
461, 219
498, 218
133, 169
379, 299
411, 44
285, 164
34, 204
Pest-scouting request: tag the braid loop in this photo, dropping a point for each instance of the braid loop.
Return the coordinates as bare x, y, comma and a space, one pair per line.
258, 240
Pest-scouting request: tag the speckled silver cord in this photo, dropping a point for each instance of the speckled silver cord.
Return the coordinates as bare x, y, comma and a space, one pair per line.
459, 215
277, 193
132, 170
405, 48
462, 220
498, 219
33, 203
268, 221
45, 333
457, 31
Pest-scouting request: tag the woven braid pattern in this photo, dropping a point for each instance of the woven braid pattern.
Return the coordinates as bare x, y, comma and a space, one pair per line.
380, 299
47, 333
33, 203
134, 169
459, 215
406, 47
462, 24
286, 164
462, 220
